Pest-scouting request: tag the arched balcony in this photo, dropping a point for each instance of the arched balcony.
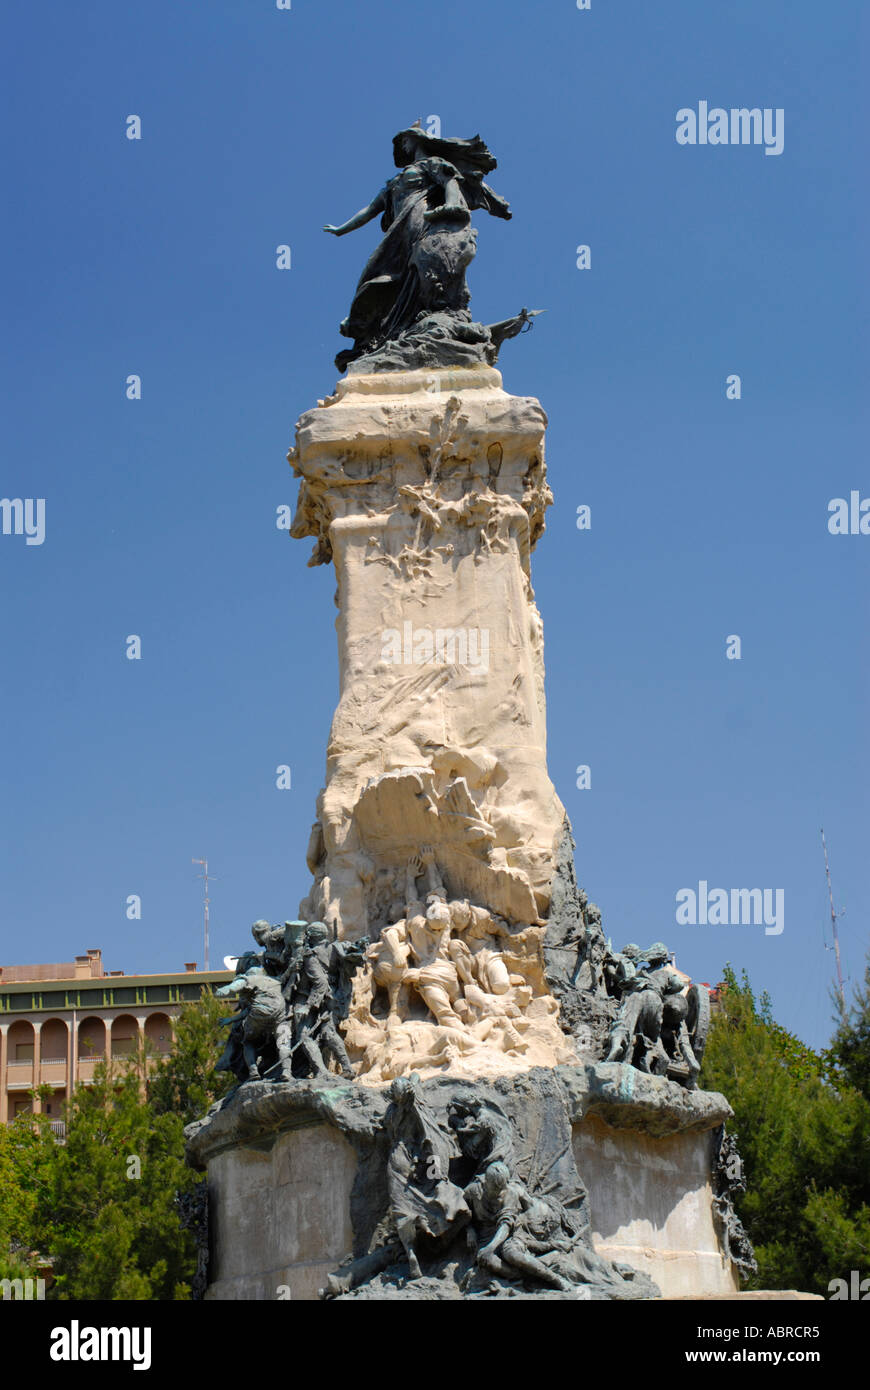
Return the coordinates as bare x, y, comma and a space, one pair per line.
91, 1047
158, 1034
125, 1037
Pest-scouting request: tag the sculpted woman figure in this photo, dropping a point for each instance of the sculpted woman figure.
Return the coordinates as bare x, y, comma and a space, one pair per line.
418, 270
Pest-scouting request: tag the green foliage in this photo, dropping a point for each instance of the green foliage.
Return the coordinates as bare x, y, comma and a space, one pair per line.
113, 1224
103, 1204
850, 1049
805, 1139
27, 1151
185, 1082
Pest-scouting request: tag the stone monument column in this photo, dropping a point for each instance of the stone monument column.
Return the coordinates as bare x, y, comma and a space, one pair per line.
429, 1054
427, 489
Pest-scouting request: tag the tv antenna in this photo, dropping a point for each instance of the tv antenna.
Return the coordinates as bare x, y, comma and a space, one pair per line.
841, 991
205, 876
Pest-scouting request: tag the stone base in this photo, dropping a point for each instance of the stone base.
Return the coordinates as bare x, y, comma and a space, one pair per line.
280, 1215
282, 1161
651, 1205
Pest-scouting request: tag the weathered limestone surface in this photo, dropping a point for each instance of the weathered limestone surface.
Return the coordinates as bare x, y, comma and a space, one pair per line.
428, 490
281, 1214
651, 1202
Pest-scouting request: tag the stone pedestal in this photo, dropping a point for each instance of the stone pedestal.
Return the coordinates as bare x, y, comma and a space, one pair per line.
280, 1214
285, 1182
427, 489
652, 1205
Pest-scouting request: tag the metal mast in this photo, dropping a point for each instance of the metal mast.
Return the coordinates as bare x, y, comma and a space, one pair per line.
204, 875
841, 990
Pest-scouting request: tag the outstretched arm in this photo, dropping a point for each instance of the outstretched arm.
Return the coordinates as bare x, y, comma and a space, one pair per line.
360, 218
413, 871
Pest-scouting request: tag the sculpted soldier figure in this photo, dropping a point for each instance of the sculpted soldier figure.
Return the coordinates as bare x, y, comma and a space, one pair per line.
674, 1034
261, 1030
433, 975
595, 946
271, 939
291, 995
450, 954
478, 931
233, 1056
640, 1009
422, 1199
620, 968
390, 963
294, 948
319, 998
484, 1134
650, 1024
515, 1226
253, 1042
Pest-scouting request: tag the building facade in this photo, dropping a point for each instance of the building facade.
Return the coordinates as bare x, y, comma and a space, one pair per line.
58, 1021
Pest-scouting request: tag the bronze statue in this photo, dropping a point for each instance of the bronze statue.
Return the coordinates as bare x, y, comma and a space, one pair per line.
657, 1027
260, 1031
291, 995
320, 997
729, 1184
410, 308
422, 1199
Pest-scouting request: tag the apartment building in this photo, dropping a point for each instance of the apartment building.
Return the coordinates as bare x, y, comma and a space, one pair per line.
57, 1021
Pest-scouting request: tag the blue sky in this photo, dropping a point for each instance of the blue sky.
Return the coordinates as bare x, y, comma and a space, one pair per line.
709, 516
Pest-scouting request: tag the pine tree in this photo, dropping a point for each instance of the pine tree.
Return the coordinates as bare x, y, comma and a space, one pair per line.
850, 1049
805, 1140
114, 1229
27, 1152
185, 1082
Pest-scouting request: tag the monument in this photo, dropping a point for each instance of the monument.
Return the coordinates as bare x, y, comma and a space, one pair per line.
449, 1084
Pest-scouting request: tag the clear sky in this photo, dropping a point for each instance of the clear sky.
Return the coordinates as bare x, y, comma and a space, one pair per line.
709, 516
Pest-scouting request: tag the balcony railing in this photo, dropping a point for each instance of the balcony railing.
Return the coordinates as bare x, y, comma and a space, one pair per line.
58, 1128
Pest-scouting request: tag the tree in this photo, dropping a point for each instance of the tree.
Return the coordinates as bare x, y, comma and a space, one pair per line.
185, 1082
804, 1135
103, 1204
27, 1152
113, 1228
850, 1049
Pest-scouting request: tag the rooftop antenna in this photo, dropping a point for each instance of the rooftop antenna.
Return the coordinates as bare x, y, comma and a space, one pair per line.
204, 875
841, 991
